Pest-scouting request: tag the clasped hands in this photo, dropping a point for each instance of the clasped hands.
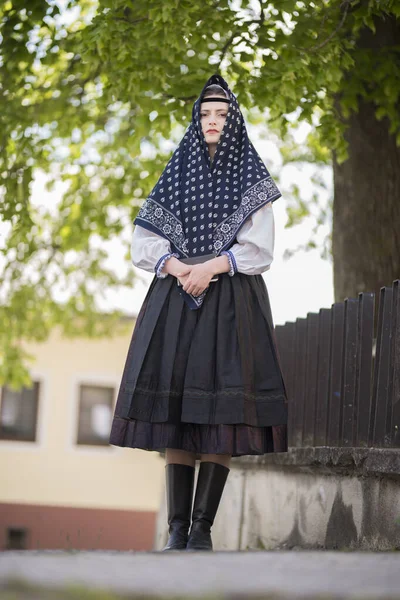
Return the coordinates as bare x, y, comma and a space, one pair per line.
195, 278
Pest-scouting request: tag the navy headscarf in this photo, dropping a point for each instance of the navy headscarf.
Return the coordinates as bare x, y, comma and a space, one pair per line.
198, 206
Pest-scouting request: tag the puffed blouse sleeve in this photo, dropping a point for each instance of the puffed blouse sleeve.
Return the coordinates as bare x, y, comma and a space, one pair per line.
254, 251
150, 251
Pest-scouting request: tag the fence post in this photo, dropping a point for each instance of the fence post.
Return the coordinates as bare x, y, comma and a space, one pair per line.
323, 385
300, 374
285, 337
336, 370
348, 388
380, 399
393, 428
311, 378
366, 302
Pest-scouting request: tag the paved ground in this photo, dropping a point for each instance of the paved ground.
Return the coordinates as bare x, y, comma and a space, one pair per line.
276, 574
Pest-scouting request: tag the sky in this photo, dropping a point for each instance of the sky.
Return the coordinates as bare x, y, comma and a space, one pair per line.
301, 284
296, 286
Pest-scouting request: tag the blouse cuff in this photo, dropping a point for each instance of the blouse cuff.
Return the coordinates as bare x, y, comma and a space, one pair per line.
232, 262
161, 262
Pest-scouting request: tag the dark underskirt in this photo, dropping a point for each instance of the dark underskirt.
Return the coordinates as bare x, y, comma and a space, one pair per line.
236, 440
206, 381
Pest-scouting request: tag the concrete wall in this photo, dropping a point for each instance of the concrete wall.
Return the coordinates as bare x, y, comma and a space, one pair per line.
333, 498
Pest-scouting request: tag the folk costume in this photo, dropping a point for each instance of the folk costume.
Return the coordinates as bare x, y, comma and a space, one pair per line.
202, 373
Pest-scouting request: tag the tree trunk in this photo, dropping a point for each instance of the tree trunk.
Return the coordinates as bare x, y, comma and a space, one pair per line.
366, 207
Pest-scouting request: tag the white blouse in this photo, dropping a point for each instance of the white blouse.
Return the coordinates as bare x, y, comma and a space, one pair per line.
253, 251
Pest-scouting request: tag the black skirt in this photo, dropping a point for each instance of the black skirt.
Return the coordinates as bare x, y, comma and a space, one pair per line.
207, 381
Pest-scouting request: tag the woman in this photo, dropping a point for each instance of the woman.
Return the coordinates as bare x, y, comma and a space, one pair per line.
202, 377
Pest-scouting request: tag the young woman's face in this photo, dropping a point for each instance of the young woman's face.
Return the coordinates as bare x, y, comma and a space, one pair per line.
213, 117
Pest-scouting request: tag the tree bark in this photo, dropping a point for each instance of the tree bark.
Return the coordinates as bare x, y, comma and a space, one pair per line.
366, 207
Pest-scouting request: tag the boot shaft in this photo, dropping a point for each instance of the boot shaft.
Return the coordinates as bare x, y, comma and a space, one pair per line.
179, 492
210, 485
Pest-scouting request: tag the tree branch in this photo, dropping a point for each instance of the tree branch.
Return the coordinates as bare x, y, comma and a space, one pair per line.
262, 16
225, 48
125, 20
185, 99
345, 5
259, 22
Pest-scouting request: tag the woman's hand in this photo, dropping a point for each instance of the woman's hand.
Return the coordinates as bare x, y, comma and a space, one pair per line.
195, 278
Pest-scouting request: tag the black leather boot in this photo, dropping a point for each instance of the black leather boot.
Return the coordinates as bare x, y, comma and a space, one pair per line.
210, 485
179, 489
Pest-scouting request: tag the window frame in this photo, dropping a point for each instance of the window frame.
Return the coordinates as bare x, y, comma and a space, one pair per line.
91, 381
33, 437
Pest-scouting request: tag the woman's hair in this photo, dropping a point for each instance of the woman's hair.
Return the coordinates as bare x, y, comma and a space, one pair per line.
215, 90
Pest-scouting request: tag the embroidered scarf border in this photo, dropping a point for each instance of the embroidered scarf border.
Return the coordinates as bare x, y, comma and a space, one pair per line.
156, 218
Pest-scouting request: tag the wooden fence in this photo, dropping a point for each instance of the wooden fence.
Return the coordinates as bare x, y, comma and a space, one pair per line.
343, 385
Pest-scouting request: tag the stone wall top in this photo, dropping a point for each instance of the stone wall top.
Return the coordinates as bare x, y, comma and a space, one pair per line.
354, 460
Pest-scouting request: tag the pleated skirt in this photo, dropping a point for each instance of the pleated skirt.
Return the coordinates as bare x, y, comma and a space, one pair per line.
207, 381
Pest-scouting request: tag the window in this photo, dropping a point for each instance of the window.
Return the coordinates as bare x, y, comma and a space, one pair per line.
18, 413
16, 538
95, 413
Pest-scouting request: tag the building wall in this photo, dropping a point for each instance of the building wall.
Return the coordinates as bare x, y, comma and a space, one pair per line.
75, 528
54, 476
